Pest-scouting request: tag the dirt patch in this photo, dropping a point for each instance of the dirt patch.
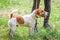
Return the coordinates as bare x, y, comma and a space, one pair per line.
4, 12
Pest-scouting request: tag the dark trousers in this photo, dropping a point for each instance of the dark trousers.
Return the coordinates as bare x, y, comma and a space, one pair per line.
47, 8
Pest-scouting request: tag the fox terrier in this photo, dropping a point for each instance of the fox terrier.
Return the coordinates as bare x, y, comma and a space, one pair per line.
28, 20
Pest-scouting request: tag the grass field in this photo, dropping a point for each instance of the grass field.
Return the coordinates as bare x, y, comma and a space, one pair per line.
24, 7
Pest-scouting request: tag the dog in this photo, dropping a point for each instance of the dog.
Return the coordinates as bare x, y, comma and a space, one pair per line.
28, 20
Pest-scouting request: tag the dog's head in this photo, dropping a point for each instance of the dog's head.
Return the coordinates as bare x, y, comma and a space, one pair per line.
40, 12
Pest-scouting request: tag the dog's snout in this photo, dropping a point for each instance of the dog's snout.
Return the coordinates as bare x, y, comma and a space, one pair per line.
45, 14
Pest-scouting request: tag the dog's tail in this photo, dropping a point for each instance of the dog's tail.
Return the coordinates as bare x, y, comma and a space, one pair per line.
13, 11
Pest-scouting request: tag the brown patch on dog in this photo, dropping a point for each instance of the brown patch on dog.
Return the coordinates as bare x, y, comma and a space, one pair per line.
20, 19
40, 12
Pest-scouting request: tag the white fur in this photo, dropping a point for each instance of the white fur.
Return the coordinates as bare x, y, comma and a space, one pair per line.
46, 13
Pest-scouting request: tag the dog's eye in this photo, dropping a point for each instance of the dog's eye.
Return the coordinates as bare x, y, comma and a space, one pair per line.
42, 10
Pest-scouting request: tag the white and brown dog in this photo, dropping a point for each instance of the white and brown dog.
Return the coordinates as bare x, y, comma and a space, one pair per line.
29, 20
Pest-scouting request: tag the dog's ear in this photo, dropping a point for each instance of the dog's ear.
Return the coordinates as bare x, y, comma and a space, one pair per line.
37, 11
40, 12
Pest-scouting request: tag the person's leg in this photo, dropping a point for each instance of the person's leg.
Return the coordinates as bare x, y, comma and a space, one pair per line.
35, 6
47, 4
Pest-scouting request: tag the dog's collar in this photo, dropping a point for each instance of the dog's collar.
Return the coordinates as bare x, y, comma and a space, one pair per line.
36, 16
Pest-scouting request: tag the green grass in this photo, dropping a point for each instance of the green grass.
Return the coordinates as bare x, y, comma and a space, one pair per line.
24, 7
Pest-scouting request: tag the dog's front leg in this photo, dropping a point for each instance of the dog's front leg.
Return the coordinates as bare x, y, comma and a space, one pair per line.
12, 29
31, 30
